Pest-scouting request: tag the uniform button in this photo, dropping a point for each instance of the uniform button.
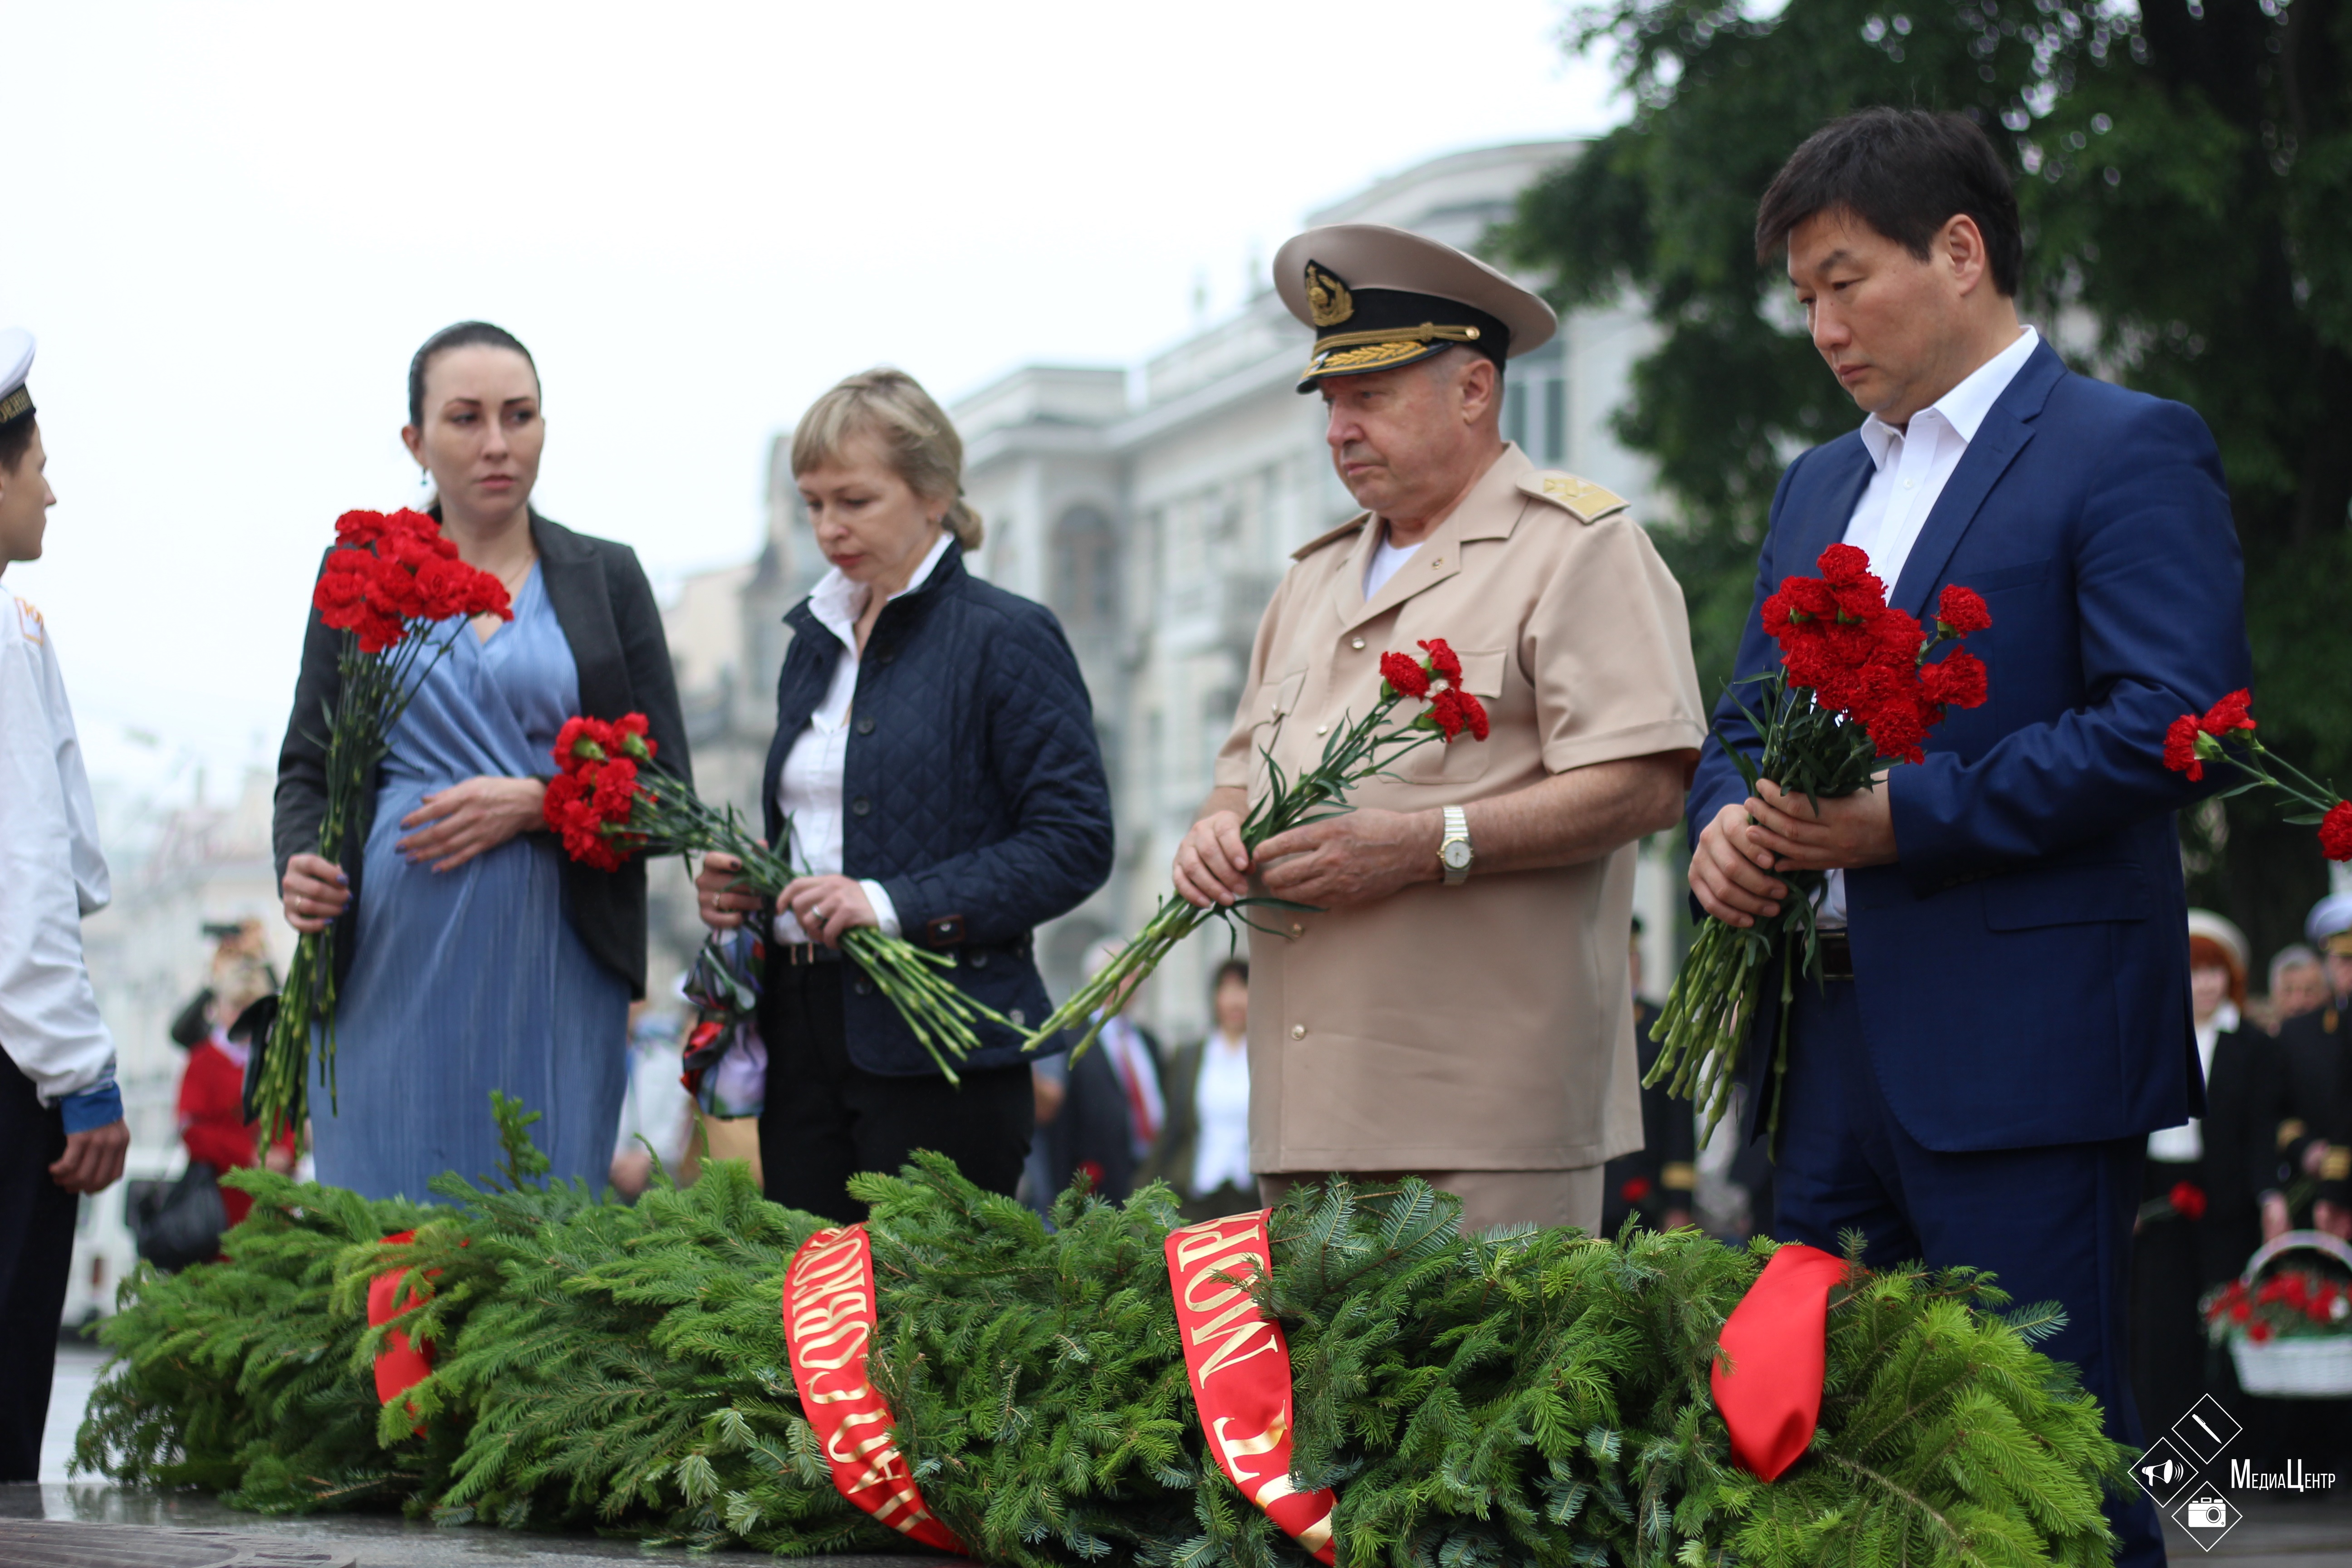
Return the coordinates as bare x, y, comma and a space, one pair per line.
866, 726
1322, 729
863, 987
1438, 565
980, 960
1358, 644
860, 806
1297, 1031
1298, 930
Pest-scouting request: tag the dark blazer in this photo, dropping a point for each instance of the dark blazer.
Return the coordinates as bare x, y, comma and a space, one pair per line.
2022, 969
2243, 1096
973, 790
607, 609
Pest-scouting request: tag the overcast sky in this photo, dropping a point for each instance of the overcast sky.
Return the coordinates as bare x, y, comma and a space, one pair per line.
230, 226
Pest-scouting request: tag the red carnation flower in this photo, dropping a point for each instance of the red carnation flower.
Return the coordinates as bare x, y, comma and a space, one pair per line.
2180, 747
1443, 660
2258, 1332
1634, 1189
2336, 831
2188, 1199
2230, 714
1957, 682
1445, 713
1843, 563
1962, 610
1474, 713
1404, 675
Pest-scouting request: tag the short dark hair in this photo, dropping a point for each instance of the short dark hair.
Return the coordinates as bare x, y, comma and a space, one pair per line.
15, 440
1231, 969
465, 334
1906, 172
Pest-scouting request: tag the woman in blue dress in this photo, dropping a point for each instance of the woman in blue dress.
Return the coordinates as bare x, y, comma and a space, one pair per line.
472, 955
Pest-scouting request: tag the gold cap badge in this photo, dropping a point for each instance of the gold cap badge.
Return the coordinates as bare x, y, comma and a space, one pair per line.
1327, 298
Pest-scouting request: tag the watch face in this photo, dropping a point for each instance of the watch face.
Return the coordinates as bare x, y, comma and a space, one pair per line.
1455, 855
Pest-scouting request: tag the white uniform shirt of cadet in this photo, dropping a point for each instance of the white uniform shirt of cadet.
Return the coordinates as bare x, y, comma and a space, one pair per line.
1221, 1112
1384, 564
2187, 1141
809, 791
1912, 467
51, 875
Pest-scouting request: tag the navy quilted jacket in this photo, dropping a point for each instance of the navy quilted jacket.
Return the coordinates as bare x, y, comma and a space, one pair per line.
973, 792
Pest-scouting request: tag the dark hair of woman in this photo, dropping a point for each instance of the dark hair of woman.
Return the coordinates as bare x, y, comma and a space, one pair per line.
464, 334
1231, 969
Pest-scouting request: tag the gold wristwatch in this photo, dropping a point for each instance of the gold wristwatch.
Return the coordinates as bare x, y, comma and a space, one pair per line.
1453, 851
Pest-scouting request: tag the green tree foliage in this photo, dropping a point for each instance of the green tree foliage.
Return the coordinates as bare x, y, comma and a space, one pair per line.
1533, 1397
2185, 173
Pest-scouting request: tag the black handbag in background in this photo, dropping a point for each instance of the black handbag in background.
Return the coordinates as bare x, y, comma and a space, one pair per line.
180, 1224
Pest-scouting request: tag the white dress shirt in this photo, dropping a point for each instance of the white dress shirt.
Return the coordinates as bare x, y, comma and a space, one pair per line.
1220, 1111
51, 873
2187, 1141
1912, 468
809, 792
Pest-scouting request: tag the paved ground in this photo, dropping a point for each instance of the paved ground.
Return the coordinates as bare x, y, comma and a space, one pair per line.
2312, 1533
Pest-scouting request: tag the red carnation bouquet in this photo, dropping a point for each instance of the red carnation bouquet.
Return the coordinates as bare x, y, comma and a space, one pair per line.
397, 590
1354, 752
2225, 733
1855, 691
608, 801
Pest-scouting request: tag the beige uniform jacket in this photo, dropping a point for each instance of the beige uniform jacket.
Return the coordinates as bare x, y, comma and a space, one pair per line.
1489, 1026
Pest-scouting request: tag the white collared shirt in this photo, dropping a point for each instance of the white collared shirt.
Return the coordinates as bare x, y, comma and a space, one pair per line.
1385, 562
2184, 1143
51, 873
809, 792
1913, 466
1221, 1096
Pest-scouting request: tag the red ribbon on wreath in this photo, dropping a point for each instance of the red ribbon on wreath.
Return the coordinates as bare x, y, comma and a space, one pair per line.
1771, 1398
1238, 1365
400, 1365
829, 1320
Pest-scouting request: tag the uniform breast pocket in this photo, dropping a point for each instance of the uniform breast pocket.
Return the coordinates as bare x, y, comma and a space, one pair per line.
1438, 764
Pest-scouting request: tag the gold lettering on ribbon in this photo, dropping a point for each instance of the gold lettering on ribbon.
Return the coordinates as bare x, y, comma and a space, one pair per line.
1233, 1388
829, 1306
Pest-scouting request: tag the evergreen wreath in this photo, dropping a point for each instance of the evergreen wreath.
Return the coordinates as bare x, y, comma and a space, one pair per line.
1535, 1396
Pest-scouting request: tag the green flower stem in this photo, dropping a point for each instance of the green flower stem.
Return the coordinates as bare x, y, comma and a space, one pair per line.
667, 819
1356, 752
376, 688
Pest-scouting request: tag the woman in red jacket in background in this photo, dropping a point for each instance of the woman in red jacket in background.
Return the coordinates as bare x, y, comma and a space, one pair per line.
212, 1086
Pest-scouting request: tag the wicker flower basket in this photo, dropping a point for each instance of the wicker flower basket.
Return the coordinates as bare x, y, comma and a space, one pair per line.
2303, 1367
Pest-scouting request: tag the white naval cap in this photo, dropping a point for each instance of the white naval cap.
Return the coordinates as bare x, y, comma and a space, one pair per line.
2331, 917
15, 365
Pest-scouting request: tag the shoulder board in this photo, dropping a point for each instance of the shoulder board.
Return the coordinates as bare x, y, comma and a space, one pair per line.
1320, 540
1581, 498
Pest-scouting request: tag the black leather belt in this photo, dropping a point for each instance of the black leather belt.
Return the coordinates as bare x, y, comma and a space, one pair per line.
1836, 955
796, 953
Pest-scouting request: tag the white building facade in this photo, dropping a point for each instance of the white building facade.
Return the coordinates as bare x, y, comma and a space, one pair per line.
1154, 512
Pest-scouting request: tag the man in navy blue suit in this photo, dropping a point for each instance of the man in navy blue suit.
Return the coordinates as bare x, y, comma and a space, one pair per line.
2005, 1013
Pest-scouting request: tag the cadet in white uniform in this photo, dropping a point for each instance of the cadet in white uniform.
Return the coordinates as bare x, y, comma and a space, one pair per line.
61, 1130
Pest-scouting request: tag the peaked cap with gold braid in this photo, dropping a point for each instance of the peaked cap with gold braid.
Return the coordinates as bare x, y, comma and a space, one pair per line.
16, 365
1380, 297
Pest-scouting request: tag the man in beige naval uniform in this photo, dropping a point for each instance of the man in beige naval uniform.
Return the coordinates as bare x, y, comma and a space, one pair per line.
1460, 1008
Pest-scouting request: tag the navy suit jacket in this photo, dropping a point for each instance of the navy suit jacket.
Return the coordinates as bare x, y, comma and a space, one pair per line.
2022, 968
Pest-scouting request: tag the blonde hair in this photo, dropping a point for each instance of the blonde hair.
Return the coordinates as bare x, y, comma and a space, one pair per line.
919, 441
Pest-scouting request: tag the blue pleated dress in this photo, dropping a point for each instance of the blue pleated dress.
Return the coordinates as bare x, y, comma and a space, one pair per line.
472, 980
